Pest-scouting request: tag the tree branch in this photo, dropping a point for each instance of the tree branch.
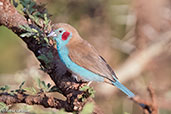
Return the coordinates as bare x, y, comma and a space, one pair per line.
150, 107
39, 99
10, 18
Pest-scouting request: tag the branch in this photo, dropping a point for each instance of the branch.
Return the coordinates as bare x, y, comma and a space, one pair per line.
150, 107
10, 18
39, 99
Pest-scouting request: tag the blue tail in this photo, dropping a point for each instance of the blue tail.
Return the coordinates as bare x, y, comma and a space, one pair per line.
126, 91
123, 88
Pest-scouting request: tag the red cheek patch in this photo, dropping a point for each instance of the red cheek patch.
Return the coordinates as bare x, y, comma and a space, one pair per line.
65, 35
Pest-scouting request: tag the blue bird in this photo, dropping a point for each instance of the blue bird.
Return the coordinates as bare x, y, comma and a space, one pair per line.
82, 59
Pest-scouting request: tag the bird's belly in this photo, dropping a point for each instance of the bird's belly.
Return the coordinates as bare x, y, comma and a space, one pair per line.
78, 70
84, 73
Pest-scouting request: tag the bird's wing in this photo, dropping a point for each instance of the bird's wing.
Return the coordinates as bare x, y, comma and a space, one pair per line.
84, 55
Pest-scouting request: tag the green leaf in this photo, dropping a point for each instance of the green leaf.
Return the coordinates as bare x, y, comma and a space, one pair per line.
91, 92
54, 89
25, 27
45, 17
88, 89
3, 107
43, 84
84, 88
46, 39
38, 82
32, 4
48, 85
46, 20
42, 68
21, 85
4, 88
34, 90
34, 30
31, 90
7, 87
26, 1
31, 9
43, 58
15, 3
26, 35
50, 55
2, 104
88, 109
22, 27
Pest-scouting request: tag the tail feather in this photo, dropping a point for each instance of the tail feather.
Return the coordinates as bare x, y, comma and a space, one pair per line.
126, 91
123, 88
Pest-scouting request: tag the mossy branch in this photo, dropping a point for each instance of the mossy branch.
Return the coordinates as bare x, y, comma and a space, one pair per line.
32, 25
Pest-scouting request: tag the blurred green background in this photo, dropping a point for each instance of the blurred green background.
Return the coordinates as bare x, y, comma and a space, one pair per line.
101, 22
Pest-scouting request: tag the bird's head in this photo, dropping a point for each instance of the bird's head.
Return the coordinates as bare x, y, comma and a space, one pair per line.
64, 34
61, 36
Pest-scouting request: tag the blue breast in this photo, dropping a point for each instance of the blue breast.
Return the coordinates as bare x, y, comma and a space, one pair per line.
84, 73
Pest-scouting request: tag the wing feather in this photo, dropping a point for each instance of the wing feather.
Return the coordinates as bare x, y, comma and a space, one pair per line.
83, 54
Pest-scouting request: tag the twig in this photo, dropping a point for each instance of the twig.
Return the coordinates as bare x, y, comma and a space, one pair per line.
149, 107
38, 99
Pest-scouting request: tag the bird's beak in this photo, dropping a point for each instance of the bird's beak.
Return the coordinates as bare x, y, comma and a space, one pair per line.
52, 34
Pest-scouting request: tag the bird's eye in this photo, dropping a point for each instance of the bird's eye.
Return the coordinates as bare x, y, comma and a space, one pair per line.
60, 31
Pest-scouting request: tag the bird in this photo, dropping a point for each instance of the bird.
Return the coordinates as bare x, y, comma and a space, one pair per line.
82, 59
